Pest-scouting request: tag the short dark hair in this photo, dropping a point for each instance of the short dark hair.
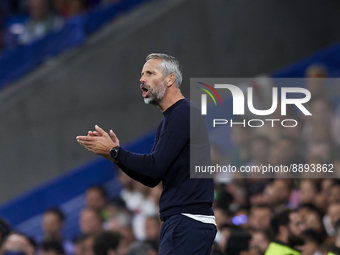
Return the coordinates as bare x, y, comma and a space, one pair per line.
53, 246
106, 241
237, 242
56, 211
280, 218
4, 230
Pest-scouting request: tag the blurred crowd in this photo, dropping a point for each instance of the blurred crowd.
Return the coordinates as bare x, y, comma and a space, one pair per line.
128, 224
252, 214
24, 21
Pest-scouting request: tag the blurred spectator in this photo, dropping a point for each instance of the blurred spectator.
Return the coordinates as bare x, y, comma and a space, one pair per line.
259, 150
321, 150
259, 242
238, 243
223, 219
225, 231
4, 231
334, 196
41, 21
96, 199
313, 242
53, 223
87, 245
116, 206
90, 222
106, 243
240, 137
287, 228
288, 151
122, 223
260, 218
152, 229
140, 200
280, 193
52, 248
19, 244
316, 82
336, 248
312, 218
333, 214
308, 191
142, 248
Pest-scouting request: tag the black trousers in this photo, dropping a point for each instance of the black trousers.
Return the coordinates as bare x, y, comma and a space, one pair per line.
183, 235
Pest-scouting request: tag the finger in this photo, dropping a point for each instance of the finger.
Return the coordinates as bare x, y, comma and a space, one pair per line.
100, 130
86, 138
95, 133
114, 137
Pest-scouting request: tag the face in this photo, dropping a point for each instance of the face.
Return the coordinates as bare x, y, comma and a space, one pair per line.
334, 213
312, 221
95, 200
295, 228
258, 243
89, 222
334, 195
281, 191
152, 82
260, 218
51, 224
307, 192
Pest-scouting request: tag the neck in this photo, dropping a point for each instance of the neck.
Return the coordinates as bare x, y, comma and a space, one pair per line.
169, 100
282, 239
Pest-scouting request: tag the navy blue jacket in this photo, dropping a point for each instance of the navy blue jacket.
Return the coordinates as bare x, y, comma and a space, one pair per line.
175, 144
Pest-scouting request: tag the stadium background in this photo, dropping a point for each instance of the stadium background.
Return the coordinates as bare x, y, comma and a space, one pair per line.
87, 73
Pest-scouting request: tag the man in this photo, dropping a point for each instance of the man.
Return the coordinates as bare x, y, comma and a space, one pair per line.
106, 243
260, 217
52, 225
287, 230
96, 198
4, 231
90, 222
185, 203
336, 248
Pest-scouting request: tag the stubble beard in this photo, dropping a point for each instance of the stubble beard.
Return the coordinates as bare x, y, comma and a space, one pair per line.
156, 94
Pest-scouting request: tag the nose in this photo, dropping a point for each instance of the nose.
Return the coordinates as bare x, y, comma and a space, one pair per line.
142, 79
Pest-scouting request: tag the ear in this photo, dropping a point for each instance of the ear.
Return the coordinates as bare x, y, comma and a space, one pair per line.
170, 79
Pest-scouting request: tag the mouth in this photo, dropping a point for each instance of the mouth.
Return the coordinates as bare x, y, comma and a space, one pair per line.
145, 91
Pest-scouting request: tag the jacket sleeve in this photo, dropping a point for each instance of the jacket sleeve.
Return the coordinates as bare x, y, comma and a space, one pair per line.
149, 168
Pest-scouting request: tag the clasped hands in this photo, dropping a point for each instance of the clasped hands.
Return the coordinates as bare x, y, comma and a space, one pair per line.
99, 142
